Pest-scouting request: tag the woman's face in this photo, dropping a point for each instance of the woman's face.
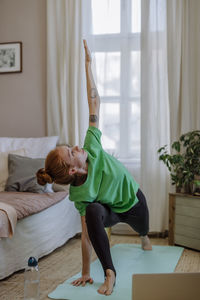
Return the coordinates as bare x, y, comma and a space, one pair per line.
74, 156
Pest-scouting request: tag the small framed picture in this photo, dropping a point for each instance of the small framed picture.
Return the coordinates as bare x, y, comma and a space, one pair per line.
10, 57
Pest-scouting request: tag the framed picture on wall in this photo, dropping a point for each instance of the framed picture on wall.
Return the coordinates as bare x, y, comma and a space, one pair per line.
10, 57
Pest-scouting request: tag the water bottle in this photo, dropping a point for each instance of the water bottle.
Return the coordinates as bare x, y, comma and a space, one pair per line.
32, 280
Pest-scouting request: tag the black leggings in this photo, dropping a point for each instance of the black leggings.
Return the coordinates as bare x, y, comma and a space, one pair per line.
99, 216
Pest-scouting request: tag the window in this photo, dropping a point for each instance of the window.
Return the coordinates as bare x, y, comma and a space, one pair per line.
116, 35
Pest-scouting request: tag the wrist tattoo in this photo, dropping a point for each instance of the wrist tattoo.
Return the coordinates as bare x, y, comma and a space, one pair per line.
93, 118
93, 93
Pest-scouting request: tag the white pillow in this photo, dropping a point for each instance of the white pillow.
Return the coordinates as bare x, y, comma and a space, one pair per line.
35, 147
4, 166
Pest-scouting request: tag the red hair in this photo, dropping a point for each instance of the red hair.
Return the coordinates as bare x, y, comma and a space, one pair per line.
56, 170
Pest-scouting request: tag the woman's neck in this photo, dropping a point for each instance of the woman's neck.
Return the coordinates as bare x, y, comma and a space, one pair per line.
79, 180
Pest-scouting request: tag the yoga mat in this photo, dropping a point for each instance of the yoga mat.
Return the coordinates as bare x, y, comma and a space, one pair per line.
128, 259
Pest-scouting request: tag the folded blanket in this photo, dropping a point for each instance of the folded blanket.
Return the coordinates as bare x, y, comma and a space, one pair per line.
23, 204
8, 220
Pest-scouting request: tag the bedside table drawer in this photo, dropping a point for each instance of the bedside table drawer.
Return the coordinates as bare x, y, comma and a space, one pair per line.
187, 221
191, 202
184, 220
187, 242
187, 231
189, 211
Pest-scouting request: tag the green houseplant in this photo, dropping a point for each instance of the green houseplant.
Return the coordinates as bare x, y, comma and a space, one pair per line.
184, 162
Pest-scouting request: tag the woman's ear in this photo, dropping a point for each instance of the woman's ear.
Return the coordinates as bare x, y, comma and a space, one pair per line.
72, 170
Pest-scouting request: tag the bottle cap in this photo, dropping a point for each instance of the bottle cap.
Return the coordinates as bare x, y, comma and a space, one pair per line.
32, 262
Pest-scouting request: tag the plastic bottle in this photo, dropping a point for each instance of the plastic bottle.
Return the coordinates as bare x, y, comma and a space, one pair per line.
32, 280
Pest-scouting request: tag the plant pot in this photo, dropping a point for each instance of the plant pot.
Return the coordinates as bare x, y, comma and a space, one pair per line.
196, 185
178, 189
188, 188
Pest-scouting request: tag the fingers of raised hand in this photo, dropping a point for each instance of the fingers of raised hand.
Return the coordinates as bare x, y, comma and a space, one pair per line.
87, 51
85, 43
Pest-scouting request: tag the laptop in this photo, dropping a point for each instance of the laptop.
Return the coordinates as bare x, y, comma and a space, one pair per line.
166, 286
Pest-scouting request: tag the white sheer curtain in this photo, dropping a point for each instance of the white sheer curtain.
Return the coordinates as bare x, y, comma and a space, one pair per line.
184, 65
170, 98
154, 110
67, 109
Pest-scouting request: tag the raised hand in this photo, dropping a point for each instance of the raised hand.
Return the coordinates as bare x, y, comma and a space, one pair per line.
88, 57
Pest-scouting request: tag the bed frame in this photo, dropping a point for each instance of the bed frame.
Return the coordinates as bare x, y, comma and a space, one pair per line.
38, 235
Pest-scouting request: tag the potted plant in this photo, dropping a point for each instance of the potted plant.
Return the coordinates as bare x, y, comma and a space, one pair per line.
184, 162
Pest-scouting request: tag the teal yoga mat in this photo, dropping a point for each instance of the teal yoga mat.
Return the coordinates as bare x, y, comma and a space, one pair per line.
128, 259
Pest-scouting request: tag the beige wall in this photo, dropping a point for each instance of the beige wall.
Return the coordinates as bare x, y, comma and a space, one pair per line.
23, 95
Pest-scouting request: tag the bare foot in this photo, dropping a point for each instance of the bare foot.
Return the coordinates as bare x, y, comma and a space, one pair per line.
146, 244
107, 287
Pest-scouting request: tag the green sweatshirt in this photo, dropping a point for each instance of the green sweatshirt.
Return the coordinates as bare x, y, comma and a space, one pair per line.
108, 181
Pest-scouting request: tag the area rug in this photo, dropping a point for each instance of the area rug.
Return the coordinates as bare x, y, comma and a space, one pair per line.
128, 259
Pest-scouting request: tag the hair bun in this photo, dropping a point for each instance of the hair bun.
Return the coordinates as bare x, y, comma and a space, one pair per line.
43, 177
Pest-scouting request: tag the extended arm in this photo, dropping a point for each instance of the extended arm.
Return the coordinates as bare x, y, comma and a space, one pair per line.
86, 256
86, 248
92, 93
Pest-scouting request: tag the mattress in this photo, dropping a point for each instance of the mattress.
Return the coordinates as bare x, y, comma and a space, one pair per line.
38, 235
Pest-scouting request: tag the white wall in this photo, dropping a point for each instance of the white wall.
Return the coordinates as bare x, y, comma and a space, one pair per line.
23, 95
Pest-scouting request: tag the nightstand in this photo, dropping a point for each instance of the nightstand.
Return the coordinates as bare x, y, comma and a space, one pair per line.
184, 220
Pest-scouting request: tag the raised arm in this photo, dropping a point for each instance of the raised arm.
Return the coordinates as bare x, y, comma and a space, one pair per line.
92, 93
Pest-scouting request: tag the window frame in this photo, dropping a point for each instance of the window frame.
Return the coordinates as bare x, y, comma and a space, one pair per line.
124, 42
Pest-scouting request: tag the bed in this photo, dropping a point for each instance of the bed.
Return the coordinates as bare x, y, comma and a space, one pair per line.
39, 233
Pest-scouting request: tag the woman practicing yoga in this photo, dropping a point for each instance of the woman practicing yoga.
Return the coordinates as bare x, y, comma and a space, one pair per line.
102, 189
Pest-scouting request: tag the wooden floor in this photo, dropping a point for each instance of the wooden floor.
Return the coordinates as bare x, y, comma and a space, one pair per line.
66, 261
